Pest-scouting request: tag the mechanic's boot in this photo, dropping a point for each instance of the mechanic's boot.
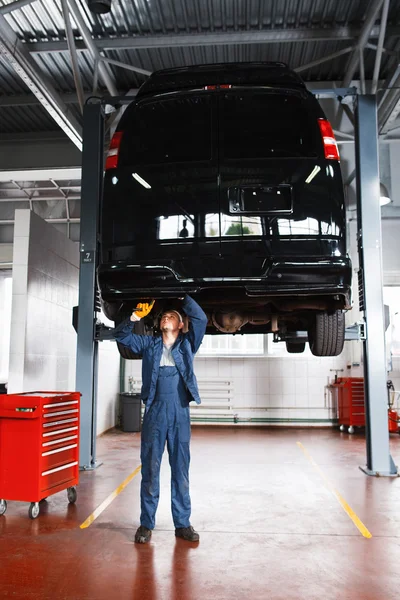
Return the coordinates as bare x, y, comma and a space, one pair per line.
143, 535
187, 533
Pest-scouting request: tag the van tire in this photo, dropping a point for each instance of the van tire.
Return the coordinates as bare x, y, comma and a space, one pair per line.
326, 334
111, 309
295, 347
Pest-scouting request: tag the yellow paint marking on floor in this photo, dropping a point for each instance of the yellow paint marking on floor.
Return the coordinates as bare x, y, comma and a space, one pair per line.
357, 522
110, 498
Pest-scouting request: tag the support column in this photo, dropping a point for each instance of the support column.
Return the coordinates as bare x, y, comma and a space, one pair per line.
86, 359
379, 460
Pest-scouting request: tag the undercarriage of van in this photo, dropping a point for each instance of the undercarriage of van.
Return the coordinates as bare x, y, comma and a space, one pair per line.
239, 309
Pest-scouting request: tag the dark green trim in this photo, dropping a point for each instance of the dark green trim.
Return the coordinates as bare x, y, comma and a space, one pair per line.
260, 420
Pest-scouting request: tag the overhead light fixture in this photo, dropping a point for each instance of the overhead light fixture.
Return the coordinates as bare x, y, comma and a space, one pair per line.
313, 173
384, 195
100, 7
141, 181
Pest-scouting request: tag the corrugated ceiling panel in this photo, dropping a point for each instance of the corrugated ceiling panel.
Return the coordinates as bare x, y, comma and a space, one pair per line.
43, 18
25, 118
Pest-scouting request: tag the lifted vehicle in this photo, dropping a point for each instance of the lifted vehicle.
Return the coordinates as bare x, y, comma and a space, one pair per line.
223, 181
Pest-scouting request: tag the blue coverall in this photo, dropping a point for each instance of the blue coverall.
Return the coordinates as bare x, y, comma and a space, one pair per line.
166, 393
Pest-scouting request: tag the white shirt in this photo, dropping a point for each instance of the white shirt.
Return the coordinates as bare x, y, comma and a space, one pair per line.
167, 360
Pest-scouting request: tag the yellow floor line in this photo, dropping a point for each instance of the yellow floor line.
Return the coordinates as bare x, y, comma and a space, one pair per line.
350, 512
110, 498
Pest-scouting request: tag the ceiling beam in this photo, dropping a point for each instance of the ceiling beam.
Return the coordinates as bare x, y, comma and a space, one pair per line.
68, 174
365, 34
388, 105
14, 5
222, 38
24, 65
31, 100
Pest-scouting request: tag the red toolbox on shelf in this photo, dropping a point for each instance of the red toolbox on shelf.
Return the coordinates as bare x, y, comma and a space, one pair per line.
351, 408
39, 447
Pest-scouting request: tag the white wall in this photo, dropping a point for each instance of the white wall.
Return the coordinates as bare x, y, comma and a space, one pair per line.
267, 390
108, 386
45, 288
43, 340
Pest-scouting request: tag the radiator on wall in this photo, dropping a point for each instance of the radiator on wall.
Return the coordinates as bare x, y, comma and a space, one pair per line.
216, 395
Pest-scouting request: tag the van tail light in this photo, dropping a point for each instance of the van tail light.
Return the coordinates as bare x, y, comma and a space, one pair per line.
328, 138
113, 152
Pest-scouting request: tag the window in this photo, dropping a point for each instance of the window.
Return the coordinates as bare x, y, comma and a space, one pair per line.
308, 226
212, 225
252, 344
391, 297
239, 225
176, 226
168, 131
232, 345
267, 125
5, 323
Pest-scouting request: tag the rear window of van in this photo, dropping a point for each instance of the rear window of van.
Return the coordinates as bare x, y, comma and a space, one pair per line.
168, 131
268, 125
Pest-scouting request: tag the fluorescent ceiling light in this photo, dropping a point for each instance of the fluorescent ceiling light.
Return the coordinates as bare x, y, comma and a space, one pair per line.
141, 181
313, 173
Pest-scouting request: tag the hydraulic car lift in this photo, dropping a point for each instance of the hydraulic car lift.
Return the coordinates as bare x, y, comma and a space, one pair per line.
371, 331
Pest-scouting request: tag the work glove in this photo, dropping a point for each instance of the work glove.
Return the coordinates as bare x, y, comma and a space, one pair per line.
142, 310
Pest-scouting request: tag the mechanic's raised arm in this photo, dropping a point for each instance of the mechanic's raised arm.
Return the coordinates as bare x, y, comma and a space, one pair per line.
123, 332
198, 322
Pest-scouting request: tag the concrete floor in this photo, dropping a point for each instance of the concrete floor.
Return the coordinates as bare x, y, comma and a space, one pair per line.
270, 527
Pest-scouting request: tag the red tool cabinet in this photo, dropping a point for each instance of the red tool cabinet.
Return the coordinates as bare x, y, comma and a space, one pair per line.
351, 406
39, 447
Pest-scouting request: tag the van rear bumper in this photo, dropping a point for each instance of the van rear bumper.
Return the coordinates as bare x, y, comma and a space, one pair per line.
289, 276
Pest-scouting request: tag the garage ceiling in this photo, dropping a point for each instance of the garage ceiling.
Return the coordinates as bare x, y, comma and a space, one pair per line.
46, 73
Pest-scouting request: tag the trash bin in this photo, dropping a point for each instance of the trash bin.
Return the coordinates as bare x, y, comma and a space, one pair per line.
131, 412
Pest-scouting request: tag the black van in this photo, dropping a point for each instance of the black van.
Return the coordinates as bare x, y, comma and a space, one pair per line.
223, 181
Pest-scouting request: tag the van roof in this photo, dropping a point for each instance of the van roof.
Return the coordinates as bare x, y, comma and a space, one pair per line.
250, 73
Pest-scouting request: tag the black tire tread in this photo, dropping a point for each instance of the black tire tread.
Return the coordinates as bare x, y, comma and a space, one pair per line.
326, 336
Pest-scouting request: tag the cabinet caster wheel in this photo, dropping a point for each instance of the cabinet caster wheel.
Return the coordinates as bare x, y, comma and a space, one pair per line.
34, 510
3, 507
351, 429
72, 495
342, 428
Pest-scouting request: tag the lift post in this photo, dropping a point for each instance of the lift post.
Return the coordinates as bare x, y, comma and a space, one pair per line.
379, 460
87, 346
88, 334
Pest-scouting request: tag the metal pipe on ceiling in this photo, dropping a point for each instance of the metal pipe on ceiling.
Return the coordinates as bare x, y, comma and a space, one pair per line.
87, 38
117, 63
220, 38
326, 58
362, 71
14, 6
362, 40
74, 55
378, 57
17, 55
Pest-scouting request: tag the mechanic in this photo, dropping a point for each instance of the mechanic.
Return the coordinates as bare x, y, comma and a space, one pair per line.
168, 385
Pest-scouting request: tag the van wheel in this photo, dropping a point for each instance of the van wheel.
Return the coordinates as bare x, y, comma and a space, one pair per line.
295, 347
140, 328
326, 334
110, 309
